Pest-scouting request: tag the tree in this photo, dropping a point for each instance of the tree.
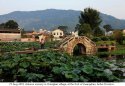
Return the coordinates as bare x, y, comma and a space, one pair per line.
77, 27
2, 25
90, 16
11, 24
85, 29
98, 32
107, 27
118, 35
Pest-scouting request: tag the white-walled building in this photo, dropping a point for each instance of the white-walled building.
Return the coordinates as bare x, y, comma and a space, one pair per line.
57, 34
109, 33
75, 33
42, 31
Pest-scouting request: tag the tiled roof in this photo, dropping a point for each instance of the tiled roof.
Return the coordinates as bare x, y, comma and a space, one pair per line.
9, 30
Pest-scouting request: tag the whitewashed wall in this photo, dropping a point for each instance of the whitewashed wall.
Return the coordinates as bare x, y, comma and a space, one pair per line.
10, 36
27, 40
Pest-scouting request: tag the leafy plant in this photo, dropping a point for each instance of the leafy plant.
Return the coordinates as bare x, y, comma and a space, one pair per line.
56, 67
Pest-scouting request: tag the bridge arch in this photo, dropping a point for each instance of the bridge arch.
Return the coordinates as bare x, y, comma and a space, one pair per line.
79, 49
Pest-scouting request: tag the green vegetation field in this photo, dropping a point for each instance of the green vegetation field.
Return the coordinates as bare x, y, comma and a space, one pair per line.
55, 66
18, 46
105, 42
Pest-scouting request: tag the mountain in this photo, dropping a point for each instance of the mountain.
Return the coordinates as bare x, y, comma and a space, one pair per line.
114, 22
52, 18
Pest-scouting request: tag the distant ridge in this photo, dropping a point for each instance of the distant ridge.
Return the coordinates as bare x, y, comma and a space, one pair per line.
52, 18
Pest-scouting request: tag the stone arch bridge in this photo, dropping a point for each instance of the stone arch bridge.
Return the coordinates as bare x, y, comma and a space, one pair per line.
85, 45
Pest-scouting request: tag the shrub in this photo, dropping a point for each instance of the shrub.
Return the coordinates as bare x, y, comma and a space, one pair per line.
105, 38
111, 38
96, 39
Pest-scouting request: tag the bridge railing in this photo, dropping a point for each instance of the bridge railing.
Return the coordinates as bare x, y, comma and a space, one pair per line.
63, 40
67, 41
91, 42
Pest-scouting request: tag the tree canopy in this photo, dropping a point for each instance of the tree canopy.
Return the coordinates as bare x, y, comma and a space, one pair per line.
118, 35
11, 24
107, 27
98, 32
2, 25
91, 18
85, 29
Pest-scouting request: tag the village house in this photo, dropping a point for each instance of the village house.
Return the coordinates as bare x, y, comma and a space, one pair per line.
44, 34
8, 35
28, 36
57, 34
33, 36
42, 30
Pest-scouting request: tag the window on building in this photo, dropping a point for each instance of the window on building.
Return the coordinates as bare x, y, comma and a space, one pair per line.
54, 34
57, 33
60, 33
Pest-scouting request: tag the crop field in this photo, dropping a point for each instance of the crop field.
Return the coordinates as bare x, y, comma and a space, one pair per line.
18, 46
55, 66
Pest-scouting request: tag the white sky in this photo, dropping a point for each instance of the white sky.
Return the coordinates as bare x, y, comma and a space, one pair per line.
111, 7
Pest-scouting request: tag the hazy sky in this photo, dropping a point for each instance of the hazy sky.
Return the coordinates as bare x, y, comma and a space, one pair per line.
111, 7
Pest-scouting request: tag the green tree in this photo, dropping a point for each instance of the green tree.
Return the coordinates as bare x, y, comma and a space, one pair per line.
2, 25
77, 27
85, 29
107, 27
90, 16
118, 35
11, 24
98, 32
